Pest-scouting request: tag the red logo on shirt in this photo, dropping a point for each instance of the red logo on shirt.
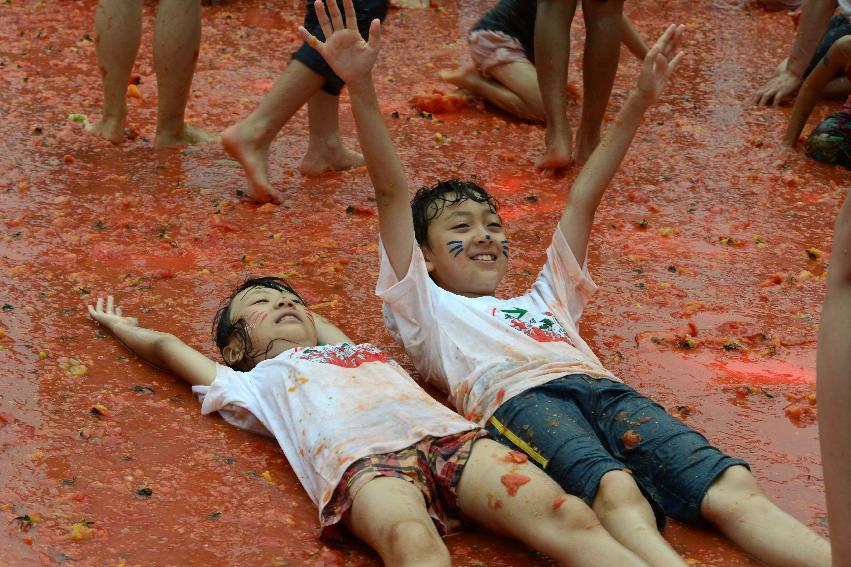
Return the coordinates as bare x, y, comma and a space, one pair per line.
544, 329
345, 355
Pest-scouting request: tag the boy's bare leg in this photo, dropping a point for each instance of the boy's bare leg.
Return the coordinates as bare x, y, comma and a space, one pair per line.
177, 39
540, 514
603, 24
552, 54
627, 515
390, 515
738, 508
515, 90
248, 141
834, 389
325, 150
118, 31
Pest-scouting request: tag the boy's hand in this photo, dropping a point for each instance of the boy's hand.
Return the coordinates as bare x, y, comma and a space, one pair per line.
344, 49
111, 316
660, 63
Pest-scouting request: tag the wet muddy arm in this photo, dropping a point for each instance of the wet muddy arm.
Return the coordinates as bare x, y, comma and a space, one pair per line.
592, 181
838, 57
815, 16
160, 349
834, 389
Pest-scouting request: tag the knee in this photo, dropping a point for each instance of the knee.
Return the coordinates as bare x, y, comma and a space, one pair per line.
571, 515
412, 542
734, 488
616, 493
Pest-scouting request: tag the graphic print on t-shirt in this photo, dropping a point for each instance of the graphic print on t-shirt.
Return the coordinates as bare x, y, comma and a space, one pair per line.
345, 355
541, 327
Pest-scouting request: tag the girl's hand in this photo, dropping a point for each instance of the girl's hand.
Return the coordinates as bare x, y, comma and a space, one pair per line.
660, 63
111, 316
344, 49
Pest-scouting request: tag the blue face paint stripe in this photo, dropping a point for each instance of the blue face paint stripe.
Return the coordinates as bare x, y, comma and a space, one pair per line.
453, 242
459, 251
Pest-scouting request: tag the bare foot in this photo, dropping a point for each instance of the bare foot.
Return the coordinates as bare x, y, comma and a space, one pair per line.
320, 159
461, 77
188, 135
253, 159
559, 152
109, 127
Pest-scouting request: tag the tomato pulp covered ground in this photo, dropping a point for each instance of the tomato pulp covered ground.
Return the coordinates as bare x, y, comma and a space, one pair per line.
710, 250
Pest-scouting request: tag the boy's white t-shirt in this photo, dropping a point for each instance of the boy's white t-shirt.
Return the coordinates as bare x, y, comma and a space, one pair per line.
329, 406
482, 351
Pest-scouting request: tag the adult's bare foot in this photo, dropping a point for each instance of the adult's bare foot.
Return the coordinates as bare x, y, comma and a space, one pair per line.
111, 128
461, 77
559, 152
321, 158
253, 158
187, 135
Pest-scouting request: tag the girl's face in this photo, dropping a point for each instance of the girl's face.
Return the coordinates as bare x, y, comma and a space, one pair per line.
467, 250
275, 320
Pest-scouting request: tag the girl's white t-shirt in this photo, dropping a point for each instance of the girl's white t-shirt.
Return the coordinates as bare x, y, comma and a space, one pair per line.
482, 351
329, 406
845, 8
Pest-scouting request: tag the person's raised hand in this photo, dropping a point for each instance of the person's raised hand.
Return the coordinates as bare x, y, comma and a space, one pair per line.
661, 62
344, 48
777, 90
110, 315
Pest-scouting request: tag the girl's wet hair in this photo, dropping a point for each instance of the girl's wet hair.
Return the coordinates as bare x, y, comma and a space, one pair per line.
429, 202
224, 330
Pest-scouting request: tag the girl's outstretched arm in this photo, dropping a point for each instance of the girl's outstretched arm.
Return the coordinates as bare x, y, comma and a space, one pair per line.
833, 386
160, 349
352, 59
588, 189
838, 57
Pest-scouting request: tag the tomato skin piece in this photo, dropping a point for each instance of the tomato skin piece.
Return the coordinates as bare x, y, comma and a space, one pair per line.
513, 482
630, 439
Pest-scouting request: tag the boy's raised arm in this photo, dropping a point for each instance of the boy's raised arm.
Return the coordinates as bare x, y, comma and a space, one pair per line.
833, 386
352, 59
588, 189
160, 349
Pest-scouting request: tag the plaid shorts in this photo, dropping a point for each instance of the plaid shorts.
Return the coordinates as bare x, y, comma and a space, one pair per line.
490, 49
433, 464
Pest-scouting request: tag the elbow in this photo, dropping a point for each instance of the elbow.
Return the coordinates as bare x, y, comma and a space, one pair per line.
162, 344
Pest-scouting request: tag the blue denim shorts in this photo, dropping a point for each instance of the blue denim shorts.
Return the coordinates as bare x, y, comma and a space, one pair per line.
578, 428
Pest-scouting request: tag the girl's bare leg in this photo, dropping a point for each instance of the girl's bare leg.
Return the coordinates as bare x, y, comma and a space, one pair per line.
325, 150
552, 53
177, 40
118, 31
738, 508
248, 141
540, 514
389, 514
500, 92
603, 23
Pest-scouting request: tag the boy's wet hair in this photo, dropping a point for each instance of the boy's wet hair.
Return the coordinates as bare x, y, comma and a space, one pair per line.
429, 202
224, 330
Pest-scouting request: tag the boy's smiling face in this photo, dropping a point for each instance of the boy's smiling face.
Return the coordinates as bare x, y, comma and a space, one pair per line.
467, 251
277, 320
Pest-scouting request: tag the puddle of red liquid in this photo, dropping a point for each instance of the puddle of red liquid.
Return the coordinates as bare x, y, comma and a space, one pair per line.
168, 234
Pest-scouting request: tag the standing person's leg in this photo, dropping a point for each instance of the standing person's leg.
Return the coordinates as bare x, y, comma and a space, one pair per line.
248, 141
741, 511
390, 515
325, 150
177, 39
118, 31
538, 513
603, 26
552, 54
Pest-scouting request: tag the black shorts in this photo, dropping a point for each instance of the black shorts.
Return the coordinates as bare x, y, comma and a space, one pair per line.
577, 428
839, 27
366, 11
